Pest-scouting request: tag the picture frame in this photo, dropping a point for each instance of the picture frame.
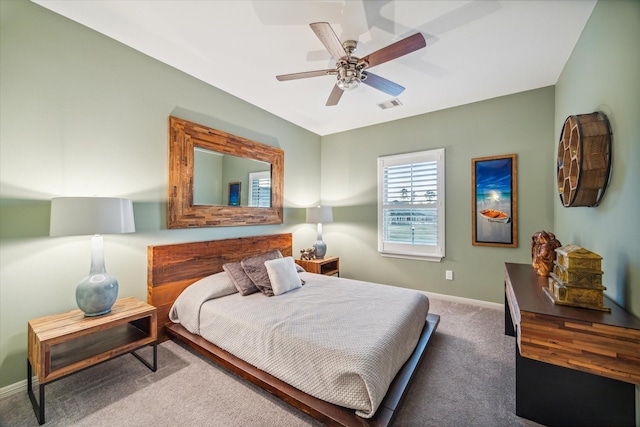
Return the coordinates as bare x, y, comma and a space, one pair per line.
234, 193
494, 201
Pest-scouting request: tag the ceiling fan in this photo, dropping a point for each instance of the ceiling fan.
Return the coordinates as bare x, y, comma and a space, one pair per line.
351, 71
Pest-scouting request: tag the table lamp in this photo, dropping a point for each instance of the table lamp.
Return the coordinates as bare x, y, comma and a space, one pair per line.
72, 216
320, 215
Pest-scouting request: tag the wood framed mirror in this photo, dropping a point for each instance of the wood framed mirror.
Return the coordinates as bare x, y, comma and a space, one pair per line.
261, 170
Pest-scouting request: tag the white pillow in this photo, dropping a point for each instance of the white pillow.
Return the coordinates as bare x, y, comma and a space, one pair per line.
283, 275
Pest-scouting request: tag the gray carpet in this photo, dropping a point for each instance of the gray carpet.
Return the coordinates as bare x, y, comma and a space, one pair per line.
466, 378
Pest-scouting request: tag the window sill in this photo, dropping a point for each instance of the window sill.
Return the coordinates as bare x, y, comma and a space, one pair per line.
417, 257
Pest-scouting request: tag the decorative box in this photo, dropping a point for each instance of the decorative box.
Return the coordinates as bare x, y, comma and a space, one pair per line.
576, 296
574, 257
576, 279
586, 278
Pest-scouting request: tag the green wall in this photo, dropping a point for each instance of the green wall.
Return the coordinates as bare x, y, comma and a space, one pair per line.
520, 123
603, 74
85, 115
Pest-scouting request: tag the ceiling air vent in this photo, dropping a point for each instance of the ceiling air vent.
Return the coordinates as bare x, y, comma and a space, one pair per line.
395, 102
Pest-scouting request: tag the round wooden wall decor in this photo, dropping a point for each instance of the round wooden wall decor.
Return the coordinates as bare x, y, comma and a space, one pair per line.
584, 159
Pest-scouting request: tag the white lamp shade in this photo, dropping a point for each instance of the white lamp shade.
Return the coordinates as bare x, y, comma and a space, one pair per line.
320, 215
72, 216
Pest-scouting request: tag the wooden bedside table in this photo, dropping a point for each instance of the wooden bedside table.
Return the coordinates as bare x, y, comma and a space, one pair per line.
66, 343
327, 266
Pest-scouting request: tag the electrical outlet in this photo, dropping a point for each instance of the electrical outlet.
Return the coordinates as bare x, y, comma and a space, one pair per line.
449, 274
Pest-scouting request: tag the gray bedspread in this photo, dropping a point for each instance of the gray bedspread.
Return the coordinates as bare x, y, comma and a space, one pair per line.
336, 339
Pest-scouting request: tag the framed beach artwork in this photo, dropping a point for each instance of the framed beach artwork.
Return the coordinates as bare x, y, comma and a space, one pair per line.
234, 194
494, 201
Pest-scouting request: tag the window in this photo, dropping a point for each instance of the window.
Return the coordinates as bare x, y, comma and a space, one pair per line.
260, 189
411, 205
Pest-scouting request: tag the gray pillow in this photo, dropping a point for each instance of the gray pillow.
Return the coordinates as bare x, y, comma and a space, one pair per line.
240, 280
215, 286
257, 272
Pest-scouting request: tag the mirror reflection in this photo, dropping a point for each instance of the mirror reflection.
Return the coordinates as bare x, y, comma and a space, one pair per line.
226, 180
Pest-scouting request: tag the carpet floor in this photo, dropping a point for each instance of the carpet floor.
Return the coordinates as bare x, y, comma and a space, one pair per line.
467, 377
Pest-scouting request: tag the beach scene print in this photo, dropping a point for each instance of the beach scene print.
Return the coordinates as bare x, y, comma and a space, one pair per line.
494, 201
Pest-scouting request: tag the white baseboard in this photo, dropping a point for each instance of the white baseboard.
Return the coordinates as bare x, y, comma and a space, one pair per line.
463, 300
19, 387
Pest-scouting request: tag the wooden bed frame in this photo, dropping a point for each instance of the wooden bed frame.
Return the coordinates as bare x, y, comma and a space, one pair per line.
171, 268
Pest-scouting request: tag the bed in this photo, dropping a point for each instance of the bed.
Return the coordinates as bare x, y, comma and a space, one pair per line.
172, 268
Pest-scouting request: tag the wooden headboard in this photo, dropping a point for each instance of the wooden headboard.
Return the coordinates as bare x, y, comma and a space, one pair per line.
171, 268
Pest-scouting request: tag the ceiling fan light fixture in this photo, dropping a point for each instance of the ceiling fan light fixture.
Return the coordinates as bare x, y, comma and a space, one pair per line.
348, 84
348, 76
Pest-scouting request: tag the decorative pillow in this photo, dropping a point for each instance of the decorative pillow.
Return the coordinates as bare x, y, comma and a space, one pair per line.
214, 286
240, 280
299, 268
218, 284
283, 275
257, 272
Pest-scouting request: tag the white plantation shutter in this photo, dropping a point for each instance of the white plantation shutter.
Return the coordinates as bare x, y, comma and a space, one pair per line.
260, 189
411, 205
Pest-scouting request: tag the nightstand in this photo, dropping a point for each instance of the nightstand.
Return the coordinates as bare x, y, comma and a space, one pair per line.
66, 343
327, 266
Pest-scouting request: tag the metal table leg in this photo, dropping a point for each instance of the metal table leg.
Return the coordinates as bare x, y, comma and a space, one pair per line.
38, 408
153, 366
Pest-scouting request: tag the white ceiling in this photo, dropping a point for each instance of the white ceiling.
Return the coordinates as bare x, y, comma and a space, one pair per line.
475, 50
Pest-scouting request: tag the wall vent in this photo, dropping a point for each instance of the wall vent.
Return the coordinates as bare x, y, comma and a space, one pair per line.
395, 102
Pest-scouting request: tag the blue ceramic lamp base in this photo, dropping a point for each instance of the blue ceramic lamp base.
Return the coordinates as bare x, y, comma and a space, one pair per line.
320, 246
97, 292
321, 249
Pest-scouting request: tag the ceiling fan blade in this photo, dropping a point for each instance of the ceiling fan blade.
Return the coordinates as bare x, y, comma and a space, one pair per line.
329, 39
306, 74
395, 50
335, 96
383, 84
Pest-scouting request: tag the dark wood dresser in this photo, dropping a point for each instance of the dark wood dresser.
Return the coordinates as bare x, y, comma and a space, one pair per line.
574, 366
